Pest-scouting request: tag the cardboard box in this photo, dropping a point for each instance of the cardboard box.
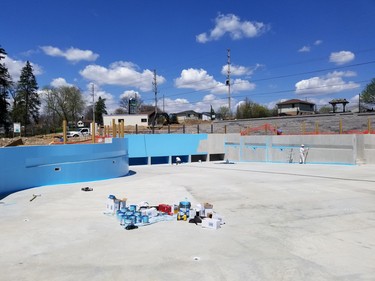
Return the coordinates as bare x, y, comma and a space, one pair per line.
208, 213
211, 223
218, 217
208, 206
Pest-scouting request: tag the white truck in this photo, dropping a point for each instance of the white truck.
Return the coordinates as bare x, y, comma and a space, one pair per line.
80, 133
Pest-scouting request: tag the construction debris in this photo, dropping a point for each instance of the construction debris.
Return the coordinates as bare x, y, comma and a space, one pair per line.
136, 215
35, 196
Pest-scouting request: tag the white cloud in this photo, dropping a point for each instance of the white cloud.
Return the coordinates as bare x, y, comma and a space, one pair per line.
197, 79
331, 83
71, 54
237, 70
304, 49
318, 42
240, 85
341, 57
121, 74
60, 82
307, 48
200, 80
177, 105
130, 94
110, 101
232, 25
15, 67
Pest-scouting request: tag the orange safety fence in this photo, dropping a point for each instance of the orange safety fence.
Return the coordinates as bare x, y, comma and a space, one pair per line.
98, 139
266, 128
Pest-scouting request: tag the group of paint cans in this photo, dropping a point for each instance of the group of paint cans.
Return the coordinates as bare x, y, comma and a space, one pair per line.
130, 216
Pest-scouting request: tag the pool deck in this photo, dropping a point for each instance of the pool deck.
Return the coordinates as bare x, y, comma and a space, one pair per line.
282, 222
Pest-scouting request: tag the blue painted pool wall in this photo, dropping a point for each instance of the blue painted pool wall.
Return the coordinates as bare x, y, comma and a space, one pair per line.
164, 145
29, 166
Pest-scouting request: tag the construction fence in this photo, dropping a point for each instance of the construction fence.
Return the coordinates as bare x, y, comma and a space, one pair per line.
296, 125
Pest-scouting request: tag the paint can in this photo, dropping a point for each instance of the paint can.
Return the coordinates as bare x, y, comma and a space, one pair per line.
122, 204
145, 219
132, 218
119, 214
127, 221
123, 219
184, 210
138, 219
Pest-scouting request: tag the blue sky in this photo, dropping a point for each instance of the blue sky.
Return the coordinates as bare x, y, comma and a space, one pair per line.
312, 50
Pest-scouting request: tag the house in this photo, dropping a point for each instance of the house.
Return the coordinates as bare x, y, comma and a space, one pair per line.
295, 107
128, 119
206, 116
188, 115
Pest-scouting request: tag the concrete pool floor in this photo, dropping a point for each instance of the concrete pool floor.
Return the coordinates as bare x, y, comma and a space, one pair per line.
283, 222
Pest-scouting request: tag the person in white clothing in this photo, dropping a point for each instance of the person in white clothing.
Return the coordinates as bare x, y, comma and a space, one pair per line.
178, 160
302, 154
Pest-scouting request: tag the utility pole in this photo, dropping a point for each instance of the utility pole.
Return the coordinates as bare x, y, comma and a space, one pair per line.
155, 84
227, 82
359, 103
93, 113
93, 102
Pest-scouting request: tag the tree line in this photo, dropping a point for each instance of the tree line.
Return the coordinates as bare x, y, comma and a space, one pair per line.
41, 111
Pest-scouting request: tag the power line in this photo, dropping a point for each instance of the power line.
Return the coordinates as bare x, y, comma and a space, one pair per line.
289, 90
272, 78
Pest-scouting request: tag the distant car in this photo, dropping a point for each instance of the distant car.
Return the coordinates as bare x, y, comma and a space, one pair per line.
73, 134
85, 131
80, 133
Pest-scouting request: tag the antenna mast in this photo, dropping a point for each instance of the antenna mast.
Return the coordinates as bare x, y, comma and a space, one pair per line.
155, 84
228, 83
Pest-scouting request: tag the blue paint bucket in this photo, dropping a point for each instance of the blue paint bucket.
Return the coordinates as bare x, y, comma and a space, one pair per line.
138, 219
119, 215
133, 208
137, 213
123, 218
132, 218
185, 204
184, 209
145, 219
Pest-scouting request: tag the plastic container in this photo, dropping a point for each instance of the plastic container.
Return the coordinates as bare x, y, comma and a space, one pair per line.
184, 210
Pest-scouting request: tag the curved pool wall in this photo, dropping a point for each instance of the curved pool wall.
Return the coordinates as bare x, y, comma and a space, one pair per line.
29, 166
25, 167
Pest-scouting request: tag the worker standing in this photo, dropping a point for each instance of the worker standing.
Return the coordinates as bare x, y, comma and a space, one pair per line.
302, 154
178, 160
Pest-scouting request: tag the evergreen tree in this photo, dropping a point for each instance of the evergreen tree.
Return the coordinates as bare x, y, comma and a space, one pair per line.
212, 114
26, 101
5, 86
100, 109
